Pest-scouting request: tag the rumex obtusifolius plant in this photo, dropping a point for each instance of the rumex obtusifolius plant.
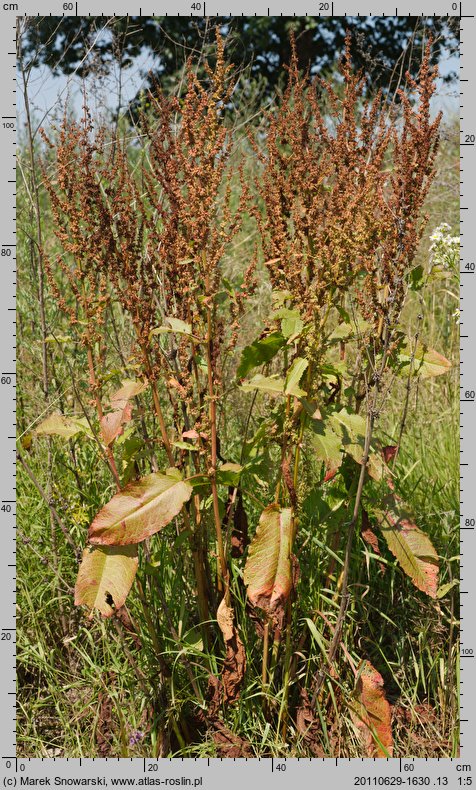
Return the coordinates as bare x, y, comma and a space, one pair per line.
339, 188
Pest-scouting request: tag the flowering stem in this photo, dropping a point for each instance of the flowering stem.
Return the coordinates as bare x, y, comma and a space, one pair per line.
223, 574
95, 389
156, 399
197, 563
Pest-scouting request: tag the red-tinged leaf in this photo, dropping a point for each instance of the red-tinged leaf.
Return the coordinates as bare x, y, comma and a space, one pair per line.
193, 434
422, 361
140, 510
389, 452
268, 569
372, 714
105, 577
371, 538
129, 389
409, 545
112, 423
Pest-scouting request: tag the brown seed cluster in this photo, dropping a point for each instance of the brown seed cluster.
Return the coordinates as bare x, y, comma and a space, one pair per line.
148, 227
411, 162
189, 190
341, 181
342, 189
79, 222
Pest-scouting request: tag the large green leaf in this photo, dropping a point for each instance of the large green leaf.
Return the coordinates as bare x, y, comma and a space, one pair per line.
427, 363
105, 577
348, 330
327, 444
260, 351
175, 325
229, 474
291, 322
352, 429
273, 385
57, 424
409, 545
140, 510
268, 572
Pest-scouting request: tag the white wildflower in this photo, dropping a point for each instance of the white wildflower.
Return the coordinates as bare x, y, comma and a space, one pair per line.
444, 250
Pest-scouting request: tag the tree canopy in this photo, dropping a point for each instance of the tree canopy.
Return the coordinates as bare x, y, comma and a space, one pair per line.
384, 47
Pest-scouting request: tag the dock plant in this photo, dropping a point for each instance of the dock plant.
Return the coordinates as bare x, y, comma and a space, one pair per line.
143, 229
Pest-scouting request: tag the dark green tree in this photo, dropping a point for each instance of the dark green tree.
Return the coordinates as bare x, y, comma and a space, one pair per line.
384, 47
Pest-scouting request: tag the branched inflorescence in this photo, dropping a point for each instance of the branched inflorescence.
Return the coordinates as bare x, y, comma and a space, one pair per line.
189, 190
400, 201
152, 236
333, 212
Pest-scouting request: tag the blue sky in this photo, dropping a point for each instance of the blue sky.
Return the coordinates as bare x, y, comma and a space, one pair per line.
48, 93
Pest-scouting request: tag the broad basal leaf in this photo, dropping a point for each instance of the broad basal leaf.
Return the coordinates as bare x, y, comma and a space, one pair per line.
372, 714
268, 570
426, 364
410, 546
140, 510
57, 424
111, 424
260, 351
105, 577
